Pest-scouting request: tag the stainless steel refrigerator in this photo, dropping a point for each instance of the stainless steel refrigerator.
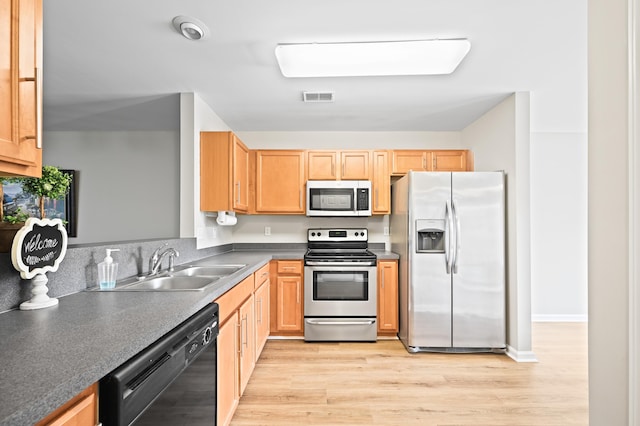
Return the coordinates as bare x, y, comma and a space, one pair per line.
449, 230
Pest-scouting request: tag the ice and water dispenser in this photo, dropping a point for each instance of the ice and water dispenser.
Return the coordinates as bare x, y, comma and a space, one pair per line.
430, 235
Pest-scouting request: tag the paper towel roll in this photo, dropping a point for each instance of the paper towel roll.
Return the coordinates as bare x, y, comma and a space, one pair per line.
225, 219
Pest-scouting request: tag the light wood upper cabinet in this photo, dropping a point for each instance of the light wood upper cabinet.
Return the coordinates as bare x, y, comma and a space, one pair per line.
387, 296
224, 172
404, 160
430, 160
322, 165
354, 165
21, 87
381, 183
449, 161
338, 165
280, 182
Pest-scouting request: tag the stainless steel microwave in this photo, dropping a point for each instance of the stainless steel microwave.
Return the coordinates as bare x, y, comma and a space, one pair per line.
338, 198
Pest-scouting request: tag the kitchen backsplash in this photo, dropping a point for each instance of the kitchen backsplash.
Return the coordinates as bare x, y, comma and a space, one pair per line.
78, 271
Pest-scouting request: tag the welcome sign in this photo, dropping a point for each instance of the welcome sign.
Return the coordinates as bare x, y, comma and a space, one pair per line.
39, 247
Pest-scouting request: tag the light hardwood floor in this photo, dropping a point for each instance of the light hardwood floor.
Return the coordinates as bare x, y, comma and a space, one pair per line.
297, 383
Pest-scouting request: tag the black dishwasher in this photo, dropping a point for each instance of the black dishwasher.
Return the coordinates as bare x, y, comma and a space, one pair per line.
172, 382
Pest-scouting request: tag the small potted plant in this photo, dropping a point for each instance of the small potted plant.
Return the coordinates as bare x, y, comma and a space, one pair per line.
53, 185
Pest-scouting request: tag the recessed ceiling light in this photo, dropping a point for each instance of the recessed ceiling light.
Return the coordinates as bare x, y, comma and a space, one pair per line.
413, 57
190, 28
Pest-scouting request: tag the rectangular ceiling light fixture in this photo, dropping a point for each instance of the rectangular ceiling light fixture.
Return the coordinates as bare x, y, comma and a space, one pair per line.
416, 57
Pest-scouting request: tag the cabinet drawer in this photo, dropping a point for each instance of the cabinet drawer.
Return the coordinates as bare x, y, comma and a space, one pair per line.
289, 267
261, 276
228, 303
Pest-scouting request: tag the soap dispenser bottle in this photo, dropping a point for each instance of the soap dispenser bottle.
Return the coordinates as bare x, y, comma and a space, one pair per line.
107, 271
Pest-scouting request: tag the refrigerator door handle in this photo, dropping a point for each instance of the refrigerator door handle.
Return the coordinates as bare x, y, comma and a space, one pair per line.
448, 228
456, 239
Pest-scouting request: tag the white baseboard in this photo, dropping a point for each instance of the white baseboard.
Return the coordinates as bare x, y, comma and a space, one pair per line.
559, 318
521, 356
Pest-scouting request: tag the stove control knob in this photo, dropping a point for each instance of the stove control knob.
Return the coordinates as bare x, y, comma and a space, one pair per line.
319, 233
313, 234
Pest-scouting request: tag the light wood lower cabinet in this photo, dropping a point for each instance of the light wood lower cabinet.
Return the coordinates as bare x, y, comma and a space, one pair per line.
387, 297
287, 298
228, 371
244, 318
246, 335
262, 325
235, 347
81, 410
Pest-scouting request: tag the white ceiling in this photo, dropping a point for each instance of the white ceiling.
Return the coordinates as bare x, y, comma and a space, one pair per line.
119, 64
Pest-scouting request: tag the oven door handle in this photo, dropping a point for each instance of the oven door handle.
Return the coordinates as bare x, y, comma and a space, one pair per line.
363, 264
321, 322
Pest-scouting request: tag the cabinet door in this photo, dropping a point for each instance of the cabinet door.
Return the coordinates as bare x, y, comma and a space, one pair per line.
280, 181
322, 165
262, 317
449, 161
224, 172
228, 389
354, 165
387, 296
289, 303
80, 410
21, 87
240, 176
405, 160
247, 342
381, 183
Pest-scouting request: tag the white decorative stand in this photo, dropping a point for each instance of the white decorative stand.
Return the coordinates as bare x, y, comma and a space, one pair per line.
39, 247
39, 292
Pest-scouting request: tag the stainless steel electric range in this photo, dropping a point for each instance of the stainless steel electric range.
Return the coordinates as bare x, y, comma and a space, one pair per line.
340, 297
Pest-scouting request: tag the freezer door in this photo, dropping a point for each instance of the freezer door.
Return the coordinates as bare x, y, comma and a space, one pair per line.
429, 310
478, 286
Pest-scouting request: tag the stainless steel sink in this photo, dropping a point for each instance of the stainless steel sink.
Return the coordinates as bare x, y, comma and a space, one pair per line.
208, 271
169, 283
188, 278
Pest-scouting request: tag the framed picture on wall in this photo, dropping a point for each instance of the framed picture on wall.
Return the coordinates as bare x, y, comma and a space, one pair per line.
15, 198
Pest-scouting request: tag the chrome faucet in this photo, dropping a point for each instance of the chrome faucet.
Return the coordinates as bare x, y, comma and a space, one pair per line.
155, 262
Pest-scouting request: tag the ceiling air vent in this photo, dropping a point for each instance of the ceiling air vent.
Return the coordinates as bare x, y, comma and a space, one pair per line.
317, 96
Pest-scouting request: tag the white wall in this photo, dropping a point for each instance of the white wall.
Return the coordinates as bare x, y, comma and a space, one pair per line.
559, 227
500, 141
123, 191
197, 116
609, 215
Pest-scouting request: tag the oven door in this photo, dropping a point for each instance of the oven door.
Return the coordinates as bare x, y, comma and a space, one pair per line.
340, 291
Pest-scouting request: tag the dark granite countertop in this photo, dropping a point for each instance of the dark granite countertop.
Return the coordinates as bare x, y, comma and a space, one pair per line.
50, 355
